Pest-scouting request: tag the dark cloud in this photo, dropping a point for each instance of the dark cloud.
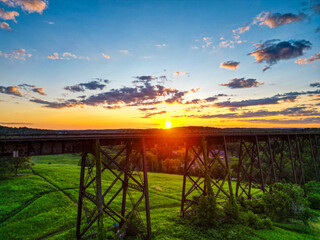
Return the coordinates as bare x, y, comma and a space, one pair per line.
294, 111
11, 90
15, 123
316, 84
286, 121
232, 65
272, 51
57, 105
148, 115
255, 102
242, 83
278, 19
93, 85
147, 109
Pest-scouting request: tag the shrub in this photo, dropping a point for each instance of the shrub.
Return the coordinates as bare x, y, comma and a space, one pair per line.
231, 210
313, 194
286, 201
253, 220
208, 214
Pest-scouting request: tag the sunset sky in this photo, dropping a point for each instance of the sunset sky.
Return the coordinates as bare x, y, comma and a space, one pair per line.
138, 64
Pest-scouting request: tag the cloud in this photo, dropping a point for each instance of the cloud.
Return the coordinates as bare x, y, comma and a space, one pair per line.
278, 19
242, 83
311, 59
287, 121
294, 111
271, 20
32, 88
273, 51
231, 65
8, 15
50, 23
5, 25
106, 56
66, 56
148, 115
160, 45
147, 109
57, 105
124, 51
276, 99
11, 90
15, 123
143, 94
179, 74
17, 54
54, 56
316, 84
28, 5
93, 85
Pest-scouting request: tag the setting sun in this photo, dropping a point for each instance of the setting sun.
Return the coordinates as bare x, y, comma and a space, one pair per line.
168, 124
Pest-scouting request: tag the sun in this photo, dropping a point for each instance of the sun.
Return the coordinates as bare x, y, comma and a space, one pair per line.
168, 124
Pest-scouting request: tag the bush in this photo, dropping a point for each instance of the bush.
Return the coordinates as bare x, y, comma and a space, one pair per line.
313, 194
314, 200
254, 205
208, 214
231, 210
253, 220
286, 201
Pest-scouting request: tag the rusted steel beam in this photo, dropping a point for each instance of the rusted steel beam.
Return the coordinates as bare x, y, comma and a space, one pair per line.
146, 189
183, 197
292, 161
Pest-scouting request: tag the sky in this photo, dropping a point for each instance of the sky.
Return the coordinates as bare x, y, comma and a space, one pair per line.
138, 64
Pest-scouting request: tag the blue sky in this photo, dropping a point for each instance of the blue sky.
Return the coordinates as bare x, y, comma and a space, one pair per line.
185, 41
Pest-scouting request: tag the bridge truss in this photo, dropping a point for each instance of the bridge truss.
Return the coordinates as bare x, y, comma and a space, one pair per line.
262, 159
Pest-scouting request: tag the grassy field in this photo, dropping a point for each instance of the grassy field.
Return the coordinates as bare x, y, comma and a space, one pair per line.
42, 204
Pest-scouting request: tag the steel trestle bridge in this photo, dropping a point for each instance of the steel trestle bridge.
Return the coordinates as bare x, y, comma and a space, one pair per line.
262, 158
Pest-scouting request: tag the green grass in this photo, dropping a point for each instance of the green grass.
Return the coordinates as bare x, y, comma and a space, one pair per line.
43, 205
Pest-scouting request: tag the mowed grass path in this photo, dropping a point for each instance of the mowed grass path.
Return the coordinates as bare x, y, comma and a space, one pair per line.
42, 205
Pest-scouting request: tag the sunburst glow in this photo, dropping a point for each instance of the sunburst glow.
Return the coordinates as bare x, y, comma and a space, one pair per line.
168, 124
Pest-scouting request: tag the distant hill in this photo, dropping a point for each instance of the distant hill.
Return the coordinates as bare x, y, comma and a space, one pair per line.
189, 129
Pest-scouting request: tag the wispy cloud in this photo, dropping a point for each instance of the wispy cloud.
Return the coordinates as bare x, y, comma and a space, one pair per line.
273, 51
231, 65
148, 115
93, 85
66, 56
242, 83
179, 74
28, 5
161, 45
302, 61
5, 25
16, 54
271, 20
106, 56
15, 123
21, 90
124, 51
8, 15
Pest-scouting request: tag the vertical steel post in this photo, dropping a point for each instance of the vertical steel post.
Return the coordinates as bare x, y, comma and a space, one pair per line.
80, 200
184, 180
292, 163
205, 160
302, 181
228, 168
313, 158
239, 168
125, 183
146, 189
99, 198
272, 160
260, 164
